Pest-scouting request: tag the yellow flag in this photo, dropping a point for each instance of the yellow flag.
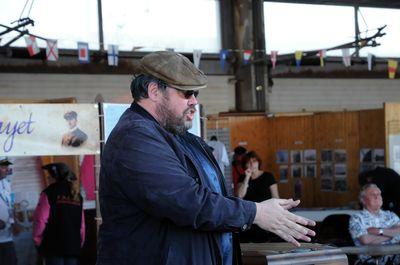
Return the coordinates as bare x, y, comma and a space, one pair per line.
392, 67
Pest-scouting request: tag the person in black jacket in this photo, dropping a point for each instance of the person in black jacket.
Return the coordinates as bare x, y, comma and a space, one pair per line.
58, 221
163, 198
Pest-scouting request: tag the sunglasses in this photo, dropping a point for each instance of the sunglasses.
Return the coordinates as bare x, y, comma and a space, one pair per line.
189, 93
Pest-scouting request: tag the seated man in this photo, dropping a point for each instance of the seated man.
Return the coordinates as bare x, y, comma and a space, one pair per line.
374, 226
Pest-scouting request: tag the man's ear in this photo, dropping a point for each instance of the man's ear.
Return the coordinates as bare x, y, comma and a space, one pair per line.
153, 91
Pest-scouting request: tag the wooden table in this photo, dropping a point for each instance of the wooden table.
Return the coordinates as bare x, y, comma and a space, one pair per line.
287, 254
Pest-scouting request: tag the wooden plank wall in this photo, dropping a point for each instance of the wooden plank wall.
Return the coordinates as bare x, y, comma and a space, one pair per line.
348, 130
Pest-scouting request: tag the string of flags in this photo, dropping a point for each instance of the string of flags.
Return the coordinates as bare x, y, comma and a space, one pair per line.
113, 54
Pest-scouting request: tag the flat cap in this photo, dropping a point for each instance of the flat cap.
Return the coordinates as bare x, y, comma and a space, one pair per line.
4, 161
174, 69
70, 115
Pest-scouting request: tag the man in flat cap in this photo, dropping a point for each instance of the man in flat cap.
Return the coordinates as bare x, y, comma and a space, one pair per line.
75, 136
7, 249
163, 198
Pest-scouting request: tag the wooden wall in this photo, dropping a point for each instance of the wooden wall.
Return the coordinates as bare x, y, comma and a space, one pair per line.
348, 130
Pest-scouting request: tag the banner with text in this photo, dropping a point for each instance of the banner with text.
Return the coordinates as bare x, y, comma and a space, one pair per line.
49, 129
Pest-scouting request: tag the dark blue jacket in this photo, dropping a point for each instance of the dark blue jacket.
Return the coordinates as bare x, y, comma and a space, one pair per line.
156, 206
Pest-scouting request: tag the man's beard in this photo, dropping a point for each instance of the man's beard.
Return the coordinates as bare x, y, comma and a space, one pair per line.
171, 122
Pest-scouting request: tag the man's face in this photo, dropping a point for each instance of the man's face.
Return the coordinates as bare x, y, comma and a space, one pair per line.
71, 123
373, 199
176, 111
3, 171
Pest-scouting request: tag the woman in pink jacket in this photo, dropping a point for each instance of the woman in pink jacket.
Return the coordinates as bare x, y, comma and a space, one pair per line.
58, 221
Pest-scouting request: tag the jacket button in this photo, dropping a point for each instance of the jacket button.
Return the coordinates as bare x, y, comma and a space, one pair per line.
244, 227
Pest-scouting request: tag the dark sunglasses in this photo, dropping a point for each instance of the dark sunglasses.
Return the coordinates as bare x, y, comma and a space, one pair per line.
189, 93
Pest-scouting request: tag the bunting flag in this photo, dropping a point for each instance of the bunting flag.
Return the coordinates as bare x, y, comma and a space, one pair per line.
112, 55
274, 55
346, 57
51, 50
196, 57
370, 58
297, 56
322, 55
246, 56
83, 52
392, 67
223, 54
32, 46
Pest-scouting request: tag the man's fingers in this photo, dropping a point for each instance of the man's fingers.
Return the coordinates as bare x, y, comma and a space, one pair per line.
287, 237
288, 204
300, 220
300, 231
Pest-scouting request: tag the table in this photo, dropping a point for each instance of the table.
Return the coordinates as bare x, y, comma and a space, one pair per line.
287, 254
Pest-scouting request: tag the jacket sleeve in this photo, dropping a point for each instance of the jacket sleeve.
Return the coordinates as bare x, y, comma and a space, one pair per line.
40, 218
149, 174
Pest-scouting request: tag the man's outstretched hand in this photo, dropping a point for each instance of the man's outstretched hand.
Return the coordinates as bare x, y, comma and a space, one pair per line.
273, 215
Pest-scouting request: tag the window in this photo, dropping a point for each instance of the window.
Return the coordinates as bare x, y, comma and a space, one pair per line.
158, 24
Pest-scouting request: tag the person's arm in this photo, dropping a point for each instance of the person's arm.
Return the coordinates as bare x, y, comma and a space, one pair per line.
244, 185
83, 227
373, 237
224, 158
40, 218
150, 175
273, 215
274, 191
388, 232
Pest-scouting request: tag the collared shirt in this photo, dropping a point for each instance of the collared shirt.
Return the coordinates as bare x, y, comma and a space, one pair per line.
5, 210
209, 170
361, 221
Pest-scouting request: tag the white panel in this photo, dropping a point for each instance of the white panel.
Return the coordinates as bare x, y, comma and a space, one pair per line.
294, 95
218, 97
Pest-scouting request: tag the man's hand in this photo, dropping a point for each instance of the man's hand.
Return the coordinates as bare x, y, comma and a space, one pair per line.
273, 215
373, 231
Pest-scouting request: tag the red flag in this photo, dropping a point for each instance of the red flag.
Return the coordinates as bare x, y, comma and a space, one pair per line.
32, 46
247, 55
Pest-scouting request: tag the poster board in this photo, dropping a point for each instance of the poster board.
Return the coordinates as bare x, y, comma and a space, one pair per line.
113, 111
49, 129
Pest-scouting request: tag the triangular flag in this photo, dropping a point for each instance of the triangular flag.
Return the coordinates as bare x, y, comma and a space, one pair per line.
32, 46
196, 57
392, 67
246, 56
52, 50
83, 52
223, 54
322, 55
370, 58
297, 56
112, 55
274, 55
346, 57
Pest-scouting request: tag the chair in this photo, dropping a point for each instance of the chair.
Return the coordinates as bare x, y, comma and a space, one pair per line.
334, 230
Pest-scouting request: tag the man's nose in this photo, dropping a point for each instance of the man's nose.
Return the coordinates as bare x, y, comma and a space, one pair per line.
192, 100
